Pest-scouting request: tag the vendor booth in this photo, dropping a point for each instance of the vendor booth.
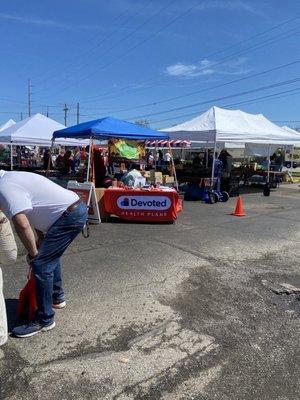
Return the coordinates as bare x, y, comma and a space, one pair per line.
132, 193
224, 128
34, 131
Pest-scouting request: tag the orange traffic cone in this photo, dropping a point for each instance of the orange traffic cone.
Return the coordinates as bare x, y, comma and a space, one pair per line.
239, 209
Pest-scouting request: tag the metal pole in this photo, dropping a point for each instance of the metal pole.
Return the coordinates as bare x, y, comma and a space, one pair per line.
77, 114
89, 161
213, 165
292, 162
49, 160
66, 113
269, 162
11, 157
29, 98
173, 165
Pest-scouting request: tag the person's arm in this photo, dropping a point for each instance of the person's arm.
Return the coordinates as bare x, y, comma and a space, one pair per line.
25, 233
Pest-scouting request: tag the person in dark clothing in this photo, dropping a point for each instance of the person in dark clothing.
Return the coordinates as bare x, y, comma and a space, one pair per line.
46, 157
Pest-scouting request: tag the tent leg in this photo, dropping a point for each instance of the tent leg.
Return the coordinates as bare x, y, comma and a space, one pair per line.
173, 166
292, 155
49, 161
11, 157
89, 161
213, 165
269, 162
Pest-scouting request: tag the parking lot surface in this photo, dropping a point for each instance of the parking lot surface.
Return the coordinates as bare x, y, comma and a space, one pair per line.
207, 308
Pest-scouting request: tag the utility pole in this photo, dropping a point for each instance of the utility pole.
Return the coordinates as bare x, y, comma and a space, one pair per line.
21, 116
77, 113
29, 98
66, 113
47, 111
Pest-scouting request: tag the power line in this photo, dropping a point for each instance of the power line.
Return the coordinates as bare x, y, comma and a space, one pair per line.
123, 38
155, 103
195, 61
103, 39
250, 101
219, 98
133, 47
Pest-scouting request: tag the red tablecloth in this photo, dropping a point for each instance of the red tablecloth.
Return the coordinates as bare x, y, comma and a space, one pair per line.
143, 205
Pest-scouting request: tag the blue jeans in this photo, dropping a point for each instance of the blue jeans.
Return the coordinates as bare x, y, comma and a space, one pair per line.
46, 265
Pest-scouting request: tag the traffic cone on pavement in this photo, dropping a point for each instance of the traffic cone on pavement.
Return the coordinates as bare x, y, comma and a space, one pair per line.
239, 209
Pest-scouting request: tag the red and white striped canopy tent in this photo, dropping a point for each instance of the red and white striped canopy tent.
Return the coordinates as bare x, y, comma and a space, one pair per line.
166, 143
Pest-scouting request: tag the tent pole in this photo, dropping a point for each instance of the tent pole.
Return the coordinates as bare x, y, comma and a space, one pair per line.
49, 160
292, 155
89, 161
11, 157
173, 165
213, 165
269, 162
206, 159
155, 156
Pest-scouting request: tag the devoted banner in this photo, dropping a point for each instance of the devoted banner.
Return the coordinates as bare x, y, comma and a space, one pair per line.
140, 205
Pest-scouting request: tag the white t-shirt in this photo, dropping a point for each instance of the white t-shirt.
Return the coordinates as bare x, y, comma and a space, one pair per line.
42, 200
167, 157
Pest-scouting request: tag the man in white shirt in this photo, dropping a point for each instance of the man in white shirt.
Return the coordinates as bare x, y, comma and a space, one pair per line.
57, 215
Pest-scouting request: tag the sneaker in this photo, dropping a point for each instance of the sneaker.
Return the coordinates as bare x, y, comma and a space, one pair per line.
59, 304
31, 329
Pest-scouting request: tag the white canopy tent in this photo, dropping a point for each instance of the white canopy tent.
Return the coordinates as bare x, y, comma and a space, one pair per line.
288, 129
7, 124
232, 126
36, 131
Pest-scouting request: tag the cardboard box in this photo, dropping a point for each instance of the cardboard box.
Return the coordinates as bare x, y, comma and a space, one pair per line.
168, 179
99, 195
156, 177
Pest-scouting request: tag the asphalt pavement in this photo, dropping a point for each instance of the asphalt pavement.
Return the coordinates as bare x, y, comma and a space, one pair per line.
207, 308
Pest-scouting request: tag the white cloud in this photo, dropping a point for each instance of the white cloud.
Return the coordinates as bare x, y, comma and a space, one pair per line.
207, 67
44, 22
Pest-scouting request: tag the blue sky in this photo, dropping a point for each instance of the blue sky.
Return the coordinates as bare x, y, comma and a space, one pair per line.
145, 59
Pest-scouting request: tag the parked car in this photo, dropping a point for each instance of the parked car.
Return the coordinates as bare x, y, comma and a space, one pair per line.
288, 164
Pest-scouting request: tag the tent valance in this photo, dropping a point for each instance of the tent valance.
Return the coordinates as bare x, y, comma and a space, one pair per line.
107, 128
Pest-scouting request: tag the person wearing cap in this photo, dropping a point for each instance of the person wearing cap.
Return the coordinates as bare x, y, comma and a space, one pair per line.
56, 215
8, 254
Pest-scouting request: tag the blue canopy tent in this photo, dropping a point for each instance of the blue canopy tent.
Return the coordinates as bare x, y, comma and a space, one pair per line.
109, 128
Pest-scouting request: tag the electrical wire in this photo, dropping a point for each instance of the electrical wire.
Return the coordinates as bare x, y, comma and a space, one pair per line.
99, 45
287, 82
250, 101
155, 103
120, 91
126, 37
122, 55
